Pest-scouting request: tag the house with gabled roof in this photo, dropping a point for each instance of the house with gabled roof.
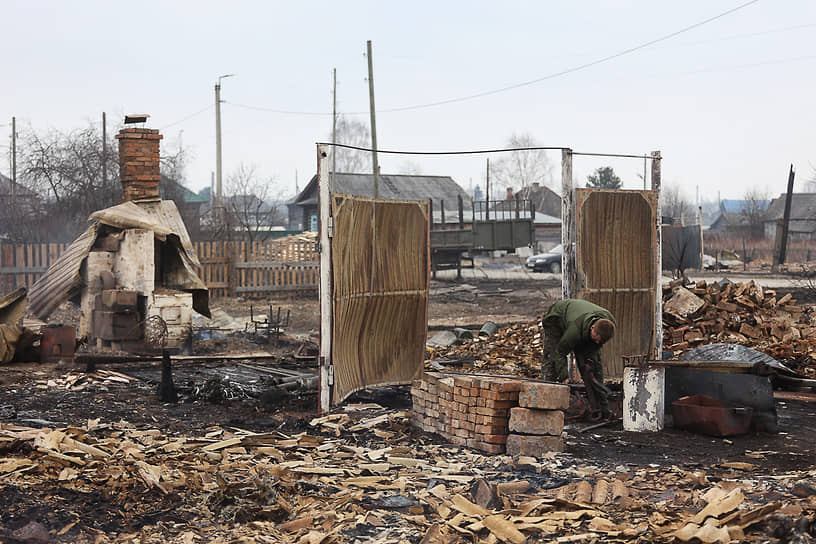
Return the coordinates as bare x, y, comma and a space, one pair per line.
442, 190
802, 223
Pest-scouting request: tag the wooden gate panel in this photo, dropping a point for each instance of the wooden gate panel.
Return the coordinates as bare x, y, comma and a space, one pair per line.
380, 281
616, 261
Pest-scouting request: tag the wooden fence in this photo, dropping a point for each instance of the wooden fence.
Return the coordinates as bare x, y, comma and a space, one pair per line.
22, 264
227, 268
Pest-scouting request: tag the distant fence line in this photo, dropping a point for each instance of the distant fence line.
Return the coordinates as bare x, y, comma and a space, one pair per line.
760, 249
227, 268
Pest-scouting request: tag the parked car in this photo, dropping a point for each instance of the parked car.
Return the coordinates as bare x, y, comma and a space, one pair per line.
546, 262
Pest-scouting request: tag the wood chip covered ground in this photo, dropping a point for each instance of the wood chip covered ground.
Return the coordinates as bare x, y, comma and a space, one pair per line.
241, 469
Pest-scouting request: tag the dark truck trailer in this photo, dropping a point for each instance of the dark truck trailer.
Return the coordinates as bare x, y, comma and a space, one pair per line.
505, 226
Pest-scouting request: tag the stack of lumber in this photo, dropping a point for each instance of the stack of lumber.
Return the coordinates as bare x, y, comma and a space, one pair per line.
739, 313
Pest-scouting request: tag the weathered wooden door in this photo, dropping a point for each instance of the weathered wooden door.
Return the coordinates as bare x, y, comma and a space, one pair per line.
379, 294
616, 267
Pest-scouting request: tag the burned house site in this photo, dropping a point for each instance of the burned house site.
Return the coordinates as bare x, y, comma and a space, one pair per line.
381, 379
230, 314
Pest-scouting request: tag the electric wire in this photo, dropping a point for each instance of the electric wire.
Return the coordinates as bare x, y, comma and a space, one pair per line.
199, 112
524, 83
576, 68
486, 151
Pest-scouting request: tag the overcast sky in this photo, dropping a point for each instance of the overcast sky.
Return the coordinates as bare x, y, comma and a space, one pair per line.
729, 103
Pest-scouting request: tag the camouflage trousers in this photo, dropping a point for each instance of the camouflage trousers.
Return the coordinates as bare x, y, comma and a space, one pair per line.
552, 369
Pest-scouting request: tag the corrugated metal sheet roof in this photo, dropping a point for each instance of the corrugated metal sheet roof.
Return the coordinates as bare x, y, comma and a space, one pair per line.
62, 280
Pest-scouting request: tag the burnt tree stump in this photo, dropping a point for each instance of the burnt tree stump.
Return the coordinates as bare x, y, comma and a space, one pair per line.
167, 391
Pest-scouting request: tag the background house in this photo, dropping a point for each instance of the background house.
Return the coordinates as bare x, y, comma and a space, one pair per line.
189, 204
740, 218
442, 190
802, 216
544, 199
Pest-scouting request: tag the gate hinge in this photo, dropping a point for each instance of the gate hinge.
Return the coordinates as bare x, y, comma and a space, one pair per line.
331, 374
330, 226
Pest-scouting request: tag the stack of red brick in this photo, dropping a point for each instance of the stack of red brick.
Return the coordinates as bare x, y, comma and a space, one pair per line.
139, 163
479, 412
536, 424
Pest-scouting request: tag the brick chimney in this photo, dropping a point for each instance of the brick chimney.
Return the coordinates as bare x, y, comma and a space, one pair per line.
139, 163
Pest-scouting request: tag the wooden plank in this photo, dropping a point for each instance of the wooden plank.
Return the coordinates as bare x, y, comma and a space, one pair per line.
276, 264
17, 270
19, 261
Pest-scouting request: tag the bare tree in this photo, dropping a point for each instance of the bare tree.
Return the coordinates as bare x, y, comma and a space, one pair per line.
674, 202
522, 168
65, 170
249, 204
355, 133
756, 204
173, 180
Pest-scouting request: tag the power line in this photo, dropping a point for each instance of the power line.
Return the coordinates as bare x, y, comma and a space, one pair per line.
524, 83
285, 112
487, 151
741, 36
199, 112
748, 65
577, 68
469, 152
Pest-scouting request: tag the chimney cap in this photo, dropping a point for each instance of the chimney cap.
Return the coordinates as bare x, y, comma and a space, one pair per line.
136, 118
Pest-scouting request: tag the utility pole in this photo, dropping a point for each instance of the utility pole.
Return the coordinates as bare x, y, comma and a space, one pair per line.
487, 190
334, 130
218, 200
374, 164
104, 151
13, 160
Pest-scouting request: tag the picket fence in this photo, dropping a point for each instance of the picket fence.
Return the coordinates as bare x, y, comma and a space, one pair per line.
227, 268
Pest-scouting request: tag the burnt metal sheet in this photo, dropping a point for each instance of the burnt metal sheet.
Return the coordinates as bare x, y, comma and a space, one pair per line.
616, 261
62, 279
13, 306
736, 353
380, 276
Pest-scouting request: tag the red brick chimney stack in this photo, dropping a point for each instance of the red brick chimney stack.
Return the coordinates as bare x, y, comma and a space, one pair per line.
139, 163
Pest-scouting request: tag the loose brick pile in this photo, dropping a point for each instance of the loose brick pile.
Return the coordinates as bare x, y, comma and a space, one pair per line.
480, 412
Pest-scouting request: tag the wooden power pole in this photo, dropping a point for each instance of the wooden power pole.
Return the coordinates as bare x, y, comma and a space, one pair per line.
374, 164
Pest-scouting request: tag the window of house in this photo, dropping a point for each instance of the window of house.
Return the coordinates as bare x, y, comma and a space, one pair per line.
313, 223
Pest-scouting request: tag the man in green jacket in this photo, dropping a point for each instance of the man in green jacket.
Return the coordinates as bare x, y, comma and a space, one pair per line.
579, 327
